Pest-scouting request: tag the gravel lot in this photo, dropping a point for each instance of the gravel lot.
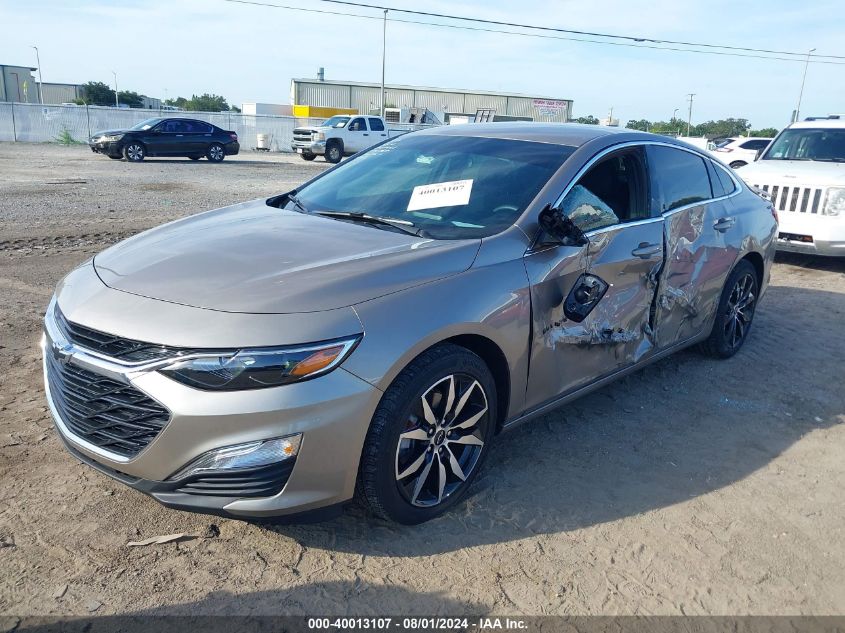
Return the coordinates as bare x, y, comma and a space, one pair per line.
693, 487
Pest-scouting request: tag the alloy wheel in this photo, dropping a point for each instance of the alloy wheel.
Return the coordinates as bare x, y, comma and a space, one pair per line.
216, 152
135, 152
740, 310
442, 440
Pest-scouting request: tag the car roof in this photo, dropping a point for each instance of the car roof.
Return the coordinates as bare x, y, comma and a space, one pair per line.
821, 122
569, 134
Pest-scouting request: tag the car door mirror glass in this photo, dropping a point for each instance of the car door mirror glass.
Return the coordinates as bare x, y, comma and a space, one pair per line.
557, 224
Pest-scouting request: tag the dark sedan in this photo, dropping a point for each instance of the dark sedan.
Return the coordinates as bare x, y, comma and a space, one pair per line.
167, 137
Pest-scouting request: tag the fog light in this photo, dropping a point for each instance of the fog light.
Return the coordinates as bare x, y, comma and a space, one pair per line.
242, 456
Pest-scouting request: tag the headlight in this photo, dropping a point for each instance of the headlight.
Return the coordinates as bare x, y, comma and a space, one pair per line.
835, 202
112, 138
320, 136
261, 367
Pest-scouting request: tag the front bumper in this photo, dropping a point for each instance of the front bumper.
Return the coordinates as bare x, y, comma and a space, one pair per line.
309, 147
110, 148
811, 234
331, 412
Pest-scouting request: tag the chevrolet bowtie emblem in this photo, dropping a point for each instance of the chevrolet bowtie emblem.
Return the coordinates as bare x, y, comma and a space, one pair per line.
62, 352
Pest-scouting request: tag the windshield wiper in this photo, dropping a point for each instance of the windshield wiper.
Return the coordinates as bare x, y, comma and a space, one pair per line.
831, 160
403, 225
296, 202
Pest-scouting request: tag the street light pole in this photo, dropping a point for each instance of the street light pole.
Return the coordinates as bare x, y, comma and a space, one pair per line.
675, 118
689, 118
803, 79
383, 59
116, 102
40, 81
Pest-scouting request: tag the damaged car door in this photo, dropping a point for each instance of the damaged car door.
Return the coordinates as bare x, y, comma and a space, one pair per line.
593, 298
701, 225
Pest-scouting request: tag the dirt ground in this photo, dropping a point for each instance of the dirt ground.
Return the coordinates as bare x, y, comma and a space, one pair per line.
693, 487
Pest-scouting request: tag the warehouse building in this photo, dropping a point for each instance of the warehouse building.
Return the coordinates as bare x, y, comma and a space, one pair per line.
458, 106
18, 84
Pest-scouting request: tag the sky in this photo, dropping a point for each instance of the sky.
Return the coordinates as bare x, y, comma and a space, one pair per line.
168, 48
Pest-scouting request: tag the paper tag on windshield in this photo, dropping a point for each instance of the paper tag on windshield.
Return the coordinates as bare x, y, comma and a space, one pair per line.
440, 194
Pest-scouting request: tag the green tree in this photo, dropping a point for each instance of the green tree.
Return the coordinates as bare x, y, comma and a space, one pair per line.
207, 103
587, 120
643, 125
179, 102
766, 132
98, 93
130, 98
723, 128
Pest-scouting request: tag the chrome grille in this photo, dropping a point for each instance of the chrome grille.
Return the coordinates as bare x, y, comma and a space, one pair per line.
303, 136
112, 415
116, 347
795, 199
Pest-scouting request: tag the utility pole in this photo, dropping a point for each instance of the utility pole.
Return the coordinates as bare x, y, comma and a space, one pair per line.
116, 102
383, 59
40, 81
689, 117
803, 79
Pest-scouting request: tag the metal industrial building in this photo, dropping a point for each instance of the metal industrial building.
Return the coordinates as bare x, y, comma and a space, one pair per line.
18, 84
366, 97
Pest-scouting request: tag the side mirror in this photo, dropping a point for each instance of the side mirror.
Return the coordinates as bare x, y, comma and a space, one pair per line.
557, 224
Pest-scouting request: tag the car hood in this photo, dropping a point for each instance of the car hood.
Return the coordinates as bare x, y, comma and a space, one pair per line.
314, 128
108, 133
255, 258
798, 172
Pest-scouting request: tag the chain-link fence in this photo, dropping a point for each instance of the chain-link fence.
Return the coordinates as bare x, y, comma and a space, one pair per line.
37, 123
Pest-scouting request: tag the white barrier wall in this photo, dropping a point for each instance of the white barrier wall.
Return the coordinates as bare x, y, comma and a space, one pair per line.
32, 122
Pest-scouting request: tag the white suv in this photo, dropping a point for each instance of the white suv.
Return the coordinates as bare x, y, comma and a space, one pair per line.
803, 172
741, 151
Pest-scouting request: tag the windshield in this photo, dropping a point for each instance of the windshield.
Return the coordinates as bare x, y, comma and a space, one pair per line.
808, 144
450, 187
143, 126
336, 121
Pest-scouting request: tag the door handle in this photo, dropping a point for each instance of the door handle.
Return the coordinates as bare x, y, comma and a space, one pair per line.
365, 134
723, 224
646, 250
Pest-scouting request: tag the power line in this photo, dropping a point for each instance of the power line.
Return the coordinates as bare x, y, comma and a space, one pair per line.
553, 37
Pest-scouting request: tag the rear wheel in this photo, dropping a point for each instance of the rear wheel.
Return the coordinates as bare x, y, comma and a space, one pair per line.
334, 152
134, 152
429, 436
735, 312
215, 153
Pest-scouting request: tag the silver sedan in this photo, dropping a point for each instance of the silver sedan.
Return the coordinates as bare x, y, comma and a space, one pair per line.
370, 333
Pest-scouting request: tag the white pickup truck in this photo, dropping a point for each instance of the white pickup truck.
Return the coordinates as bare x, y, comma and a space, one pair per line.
803, 172
341, 135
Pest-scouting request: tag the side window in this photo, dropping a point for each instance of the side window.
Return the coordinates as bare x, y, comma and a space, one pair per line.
727, 183
679, 176
197, 127
376, 125
614, 190
754, 145
357, 125
171, 126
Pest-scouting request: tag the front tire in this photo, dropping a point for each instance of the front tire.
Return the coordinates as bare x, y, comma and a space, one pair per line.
429, 436
134, 152
308, 156
334, 152
735, 312
216, 153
